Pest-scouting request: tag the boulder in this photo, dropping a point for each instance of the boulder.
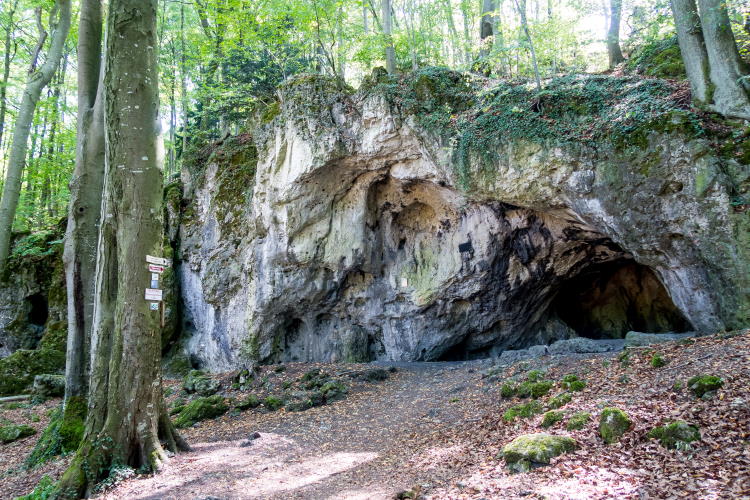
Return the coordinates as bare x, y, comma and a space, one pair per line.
579, 345
13, 432
49, 386
201, 409
675, 434
641, 339
198, 382
613, 423
535, 450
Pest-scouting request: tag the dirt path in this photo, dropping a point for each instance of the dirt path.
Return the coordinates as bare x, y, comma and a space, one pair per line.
356, 448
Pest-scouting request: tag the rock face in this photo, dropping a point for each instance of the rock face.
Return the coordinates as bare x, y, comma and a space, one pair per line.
348, 228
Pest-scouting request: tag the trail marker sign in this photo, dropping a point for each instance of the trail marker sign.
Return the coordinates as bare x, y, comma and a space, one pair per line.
161, 261
153, 294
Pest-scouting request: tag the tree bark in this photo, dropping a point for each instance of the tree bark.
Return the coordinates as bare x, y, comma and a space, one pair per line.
521, 7
692, 48
82, 232
487, 27
6, 66
390, 51
36, 82
727, 71
127, 418
613, 34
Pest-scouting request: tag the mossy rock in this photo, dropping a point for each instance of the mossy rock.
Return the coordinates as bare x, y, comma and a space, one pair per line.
551, 418
333, 391
527, 410
540, 389
573, 383
198, 382
675, 434
13, 432
249, 402
560, 400
48, 386
201, 409
578, 421
18, 370
705, 386
63, 433
273, 403
535, 450
535, 376
613, 424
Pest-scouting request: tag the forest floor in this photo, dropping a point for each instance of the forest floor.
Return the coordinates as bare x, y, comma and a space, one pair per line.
435, 430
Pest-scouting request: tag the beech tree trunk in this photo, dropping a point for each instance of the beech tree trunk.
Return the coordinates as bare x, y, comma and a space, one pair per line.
521, 8
127, 417
692, 47
613, 34
390, 51
82, 233
37, 81
6, 67
727, 71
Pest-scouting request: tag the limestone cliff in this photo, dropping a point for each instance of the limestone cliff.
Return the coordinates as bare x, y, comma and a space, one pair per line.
436, 217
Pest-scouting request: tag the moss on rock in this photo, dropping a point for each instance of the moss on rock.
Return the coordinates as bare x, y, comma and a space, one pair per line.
551, 418
273, 403
705, 386
578, 421
13, 432
573, 383
198, 382
527, 410
675, 434
613, 423
249, 402
560, 400
533, 450
201, 409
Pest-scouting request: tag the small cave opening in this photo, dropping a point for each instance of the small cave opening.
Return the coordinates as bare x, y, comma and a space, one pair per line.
606, 301
38, 311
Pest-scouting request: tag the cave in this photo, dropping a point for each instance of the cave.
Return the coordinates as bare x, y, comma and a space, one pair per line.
608, 300
38, 310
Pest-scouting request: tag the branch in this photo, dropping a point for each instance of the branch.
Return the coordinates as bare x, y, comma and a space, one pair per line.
40, 42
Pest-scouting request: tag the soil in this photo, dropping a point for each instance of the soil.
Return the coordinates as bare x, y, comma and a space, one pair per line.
435, 430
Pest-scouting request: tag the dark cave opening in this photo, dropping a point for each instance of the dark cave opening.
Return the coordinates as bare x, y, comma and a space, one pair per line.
606, 301
38, 310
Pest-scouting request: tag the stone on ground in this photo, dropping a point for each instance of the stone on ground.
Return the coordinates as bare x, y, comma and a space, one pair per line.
613, 423
534, 450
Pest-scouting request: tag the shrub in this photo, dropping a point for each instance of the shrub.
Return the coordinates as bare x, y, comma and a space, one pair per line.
573, 383
508, 390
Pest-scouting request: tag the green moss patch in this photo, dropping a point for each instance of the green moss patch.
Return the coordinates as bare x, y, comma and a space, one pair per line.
677, 434
705, 386
252, 401
613, 424
573, 383
527, 410
657, 361
198, 382
534, 450
63, 433
551, 418
13, 432
578, 421
560, 400
201, 409
273, 403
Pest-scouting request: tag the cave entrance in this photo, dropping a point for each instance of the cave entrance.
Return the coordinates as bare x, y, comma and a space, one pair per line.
608, 300
38, 310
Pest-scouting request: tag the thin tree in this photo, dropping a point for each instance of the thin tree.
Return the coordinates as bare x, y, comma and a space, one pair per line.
521, 8
613, 34
390, 51
127, 419
37, 81
8, 56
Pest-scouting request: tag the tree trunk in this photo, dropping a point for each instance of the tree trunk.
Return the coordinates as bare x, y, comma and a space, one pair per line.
521, 7
6, 67
82, 233
728, 72
487, 27
390, 51
692, 48
36, 82
613, 34
127, 417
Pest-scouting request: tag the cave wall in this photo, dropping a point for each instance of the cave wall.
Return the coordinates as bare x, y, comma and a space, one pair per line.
349, 234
